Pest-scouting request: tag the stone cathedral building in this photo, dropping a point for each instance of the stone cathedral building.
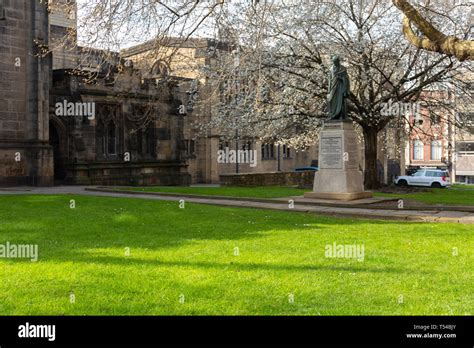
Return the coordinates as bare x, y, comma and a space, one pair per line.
119, 144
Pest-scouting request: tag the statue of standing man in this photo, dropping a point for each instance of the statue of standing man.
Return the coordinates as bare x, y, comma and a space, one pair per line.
339, 90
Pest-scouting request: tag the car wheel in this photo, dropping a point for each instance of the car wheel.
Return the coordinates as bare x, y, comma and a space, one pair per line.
436, 185
402, 183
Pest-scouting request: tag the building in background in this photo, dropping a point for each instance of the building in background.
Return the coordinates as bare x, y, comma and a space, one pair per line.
429, 133
444, 138
463, 167
463, 139
183, 60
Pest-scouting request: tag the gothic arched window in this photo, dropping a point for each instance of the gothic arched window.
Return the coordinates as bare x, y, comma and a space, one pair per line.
150, 140
111, 138
100, 138
108, 131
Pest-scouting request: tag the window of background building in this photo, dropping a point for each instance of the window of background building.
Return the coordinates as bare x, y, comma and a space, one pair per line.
100, 144
436, 150
146, 141
465, 179
268, 151
111, 138
435, 118
465, 148
106, 139
418, 150
190, 147
223, 145
2, 10
247, 146
418, 118
286, 151
150, 141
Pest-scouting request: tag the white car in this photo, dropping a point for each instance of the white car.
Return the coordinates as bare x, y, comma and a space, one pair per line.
425, 177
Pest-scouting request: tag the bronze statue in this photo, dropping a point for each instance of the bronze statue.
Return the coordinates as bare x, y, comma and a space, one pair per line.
339, 90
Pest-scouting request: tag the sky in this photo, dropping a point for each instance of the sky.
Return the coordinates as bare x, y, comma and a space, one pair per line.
136, 26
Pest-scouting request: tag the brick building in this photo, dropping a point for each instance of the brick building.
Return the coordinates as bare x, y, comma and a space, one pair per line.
428, 143
438, 141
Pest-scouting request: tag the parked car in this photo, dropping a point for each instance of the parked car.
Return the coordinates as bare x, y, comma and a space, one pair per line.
302, 169
425, 177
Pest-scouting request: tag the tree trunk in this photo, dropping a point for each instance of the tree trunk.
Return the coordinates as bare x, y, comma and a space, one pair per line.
371, 181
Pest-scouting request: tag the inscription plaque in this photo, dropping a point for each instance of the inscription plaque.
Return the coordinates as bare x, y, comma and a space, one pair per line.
331, 152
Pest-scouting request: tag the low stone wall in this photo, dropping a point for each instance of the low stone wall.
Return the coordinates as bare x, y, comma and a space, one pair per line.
156, 173
301, 179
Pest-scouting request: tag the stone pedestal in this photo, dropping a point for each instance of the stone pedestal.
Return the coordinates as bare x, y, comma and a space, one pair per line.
339, 176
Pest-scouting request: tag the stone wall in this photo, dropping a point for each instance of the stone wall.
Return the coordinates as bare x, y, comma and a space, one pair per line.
63, 40
26, 158
300, 179
278, 163
134, 173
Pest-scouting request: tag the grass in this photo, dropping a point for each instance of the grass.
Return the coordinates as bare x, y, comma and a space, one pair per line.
444, 196
191, 252
463, 187
229, 191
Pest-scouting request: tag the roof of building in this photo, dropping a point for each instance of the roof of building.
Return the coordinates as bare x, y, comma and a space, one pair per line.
174, 42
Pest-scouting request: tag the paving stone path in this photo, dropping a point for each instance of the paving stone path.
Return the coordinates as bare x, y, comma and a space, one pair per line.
383, 214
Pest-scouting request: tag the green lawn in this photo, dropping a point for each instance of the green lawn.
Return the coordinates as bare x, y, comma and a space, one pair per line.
463, 187
229, 191
444, 196
190, 252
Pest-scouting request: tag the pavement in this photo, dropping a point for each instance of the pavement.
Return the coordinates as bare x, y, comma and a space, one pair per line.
275, 204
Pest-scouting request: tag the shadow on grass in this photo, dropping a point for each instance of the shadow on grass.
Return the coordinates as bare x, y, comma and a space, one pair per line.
230, 266
104, 222
138, 216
